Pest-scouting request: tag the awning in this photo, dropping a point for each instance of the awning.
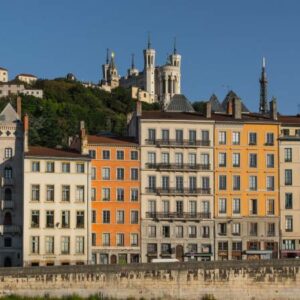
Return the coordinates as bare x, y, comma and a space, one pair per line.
259, 252
197, 254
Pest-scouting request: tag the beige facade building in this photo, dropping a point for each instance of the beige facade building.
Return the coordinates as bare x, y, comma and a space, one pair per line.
11, 186
57, 208
3, 75
28, 78
289, 156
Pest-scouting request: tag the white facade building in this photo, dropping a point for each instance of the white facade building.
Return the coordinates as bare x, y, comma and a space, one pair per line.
28, 78
3, 75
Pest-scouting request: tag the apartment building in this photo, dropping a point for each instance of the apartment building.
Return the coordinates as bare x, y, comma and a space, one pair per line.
27, 78
57, 206
289, 166
176, 182
11, 186
115, 199
246, 184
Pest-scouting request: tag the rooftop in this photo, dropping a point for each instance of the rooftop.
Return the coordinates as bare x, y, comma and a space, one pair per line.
111, 140
179, 103
3, 69
27, 75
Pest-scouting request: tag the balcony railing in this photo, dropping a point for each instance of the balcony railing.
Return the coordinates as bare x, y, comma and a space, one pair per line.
4, 229
7, 181
7, 204
178, 143
178, 215
184, 167
180, 191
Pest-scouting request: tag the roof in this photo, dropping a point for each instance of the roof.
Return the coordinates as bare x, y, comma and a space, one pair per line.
172, 115
215, 104
1, 68
9, 114
229, 97
111, 140
179, 103
292, 120
37, 151
27, 75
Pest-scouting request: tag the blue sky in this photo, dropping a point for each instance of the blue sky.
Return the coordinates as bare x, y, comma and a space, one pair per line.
221, 42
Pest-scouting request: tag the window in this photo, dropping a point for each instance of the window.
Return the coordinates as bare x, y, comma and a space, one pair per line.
288, 177
270, 139
50, 219
204, 159
151, 157
152, 231
94, 216
205, 207
193, 208
120, 217
270, 160
105, 154
179, 231
192, 159
252, 138
35, 166
165, 136
236, 229
253, 183
50, 167
50, 193
79, 193
8, 152
253, 160
253, 206
105, 173
165, 158
179, 159
105, 239
166, 231
93, 194
120, 155
92, 153
205, 182
34, 244
179, 183
237, 246
49, 244
93, 173
151, 135
288, 223
80, 219
222, 206
65, 193
222, 182
134, 174
222, 159
134, 194
271, 229
35, 218
65, 245
7, 194
192, 183
236, 138
120, 239
179, 136
222, 137
270, 206
222, 228
236, 160
120, 194
8, 172
79, 245
288, 154
205, 231
35, 192
192, 231
134, 155
80, 168
236, 205
253, 229
134, 216
65, 219
65, 167
205, 137
106, 217
106, 194
134, 239
288, 200
270, 183
192, 137
94, 241
289, 244
236, 182
120, 174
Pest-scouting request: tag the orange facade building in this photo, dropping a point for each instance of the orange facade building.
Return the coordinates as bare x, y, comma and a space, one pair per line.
115, 199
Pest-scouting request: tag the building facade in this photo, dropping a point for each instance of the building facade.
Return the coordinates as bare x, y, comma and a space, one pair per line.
57, 208
3, 75
27, 78
289, 155
246, 184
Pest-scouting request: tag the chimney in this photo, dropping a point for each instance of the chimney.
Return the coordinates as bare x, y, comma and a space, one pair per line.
237, 108
26, 132
208, 110
273, 109
83, 139
138, 108
19, 107
229, 107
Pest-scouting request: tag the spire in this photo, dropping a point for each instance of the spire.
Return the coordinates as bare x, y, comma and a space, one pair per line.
263, 102
112, 60
107, 56
149, 41
175, 48
132, 61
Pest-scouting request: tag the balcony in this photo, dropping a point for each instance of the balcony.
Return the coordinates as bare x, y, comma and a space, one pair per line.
176, 167
7, 181
178, 215
7, 204
176, 191
178, 143
10, 229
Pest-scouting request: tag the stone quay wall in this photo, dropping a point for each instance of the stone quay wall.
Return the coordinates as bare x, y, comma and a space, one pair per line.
264, 279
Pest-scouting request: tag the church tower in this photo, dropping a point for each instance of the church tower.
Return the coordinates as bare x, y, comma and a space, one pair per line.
175, 60
149, 69
263, 102
112, 72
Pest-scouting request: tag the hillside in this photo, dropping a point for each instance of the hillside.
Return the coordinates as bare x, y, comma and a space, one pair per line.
57, 116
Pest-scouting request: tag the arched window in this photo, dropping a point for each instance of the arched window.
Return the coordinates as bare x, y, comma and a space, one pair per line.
8, 172
7, 195
7, 219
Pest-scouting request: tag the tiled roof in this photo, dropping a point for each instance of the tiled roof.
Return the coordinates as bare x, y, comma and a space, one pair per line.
111, 140
179, 103
50, 152
215, 104
172, 115
289, 119
229, 97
